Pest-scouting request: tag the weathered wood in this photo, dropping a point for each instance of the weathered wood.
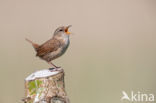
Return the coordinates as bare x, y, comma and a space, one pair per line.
45, 86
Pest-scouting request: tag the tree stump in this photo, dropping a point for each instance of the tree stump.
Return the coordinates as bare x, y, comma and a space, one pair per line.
45, 86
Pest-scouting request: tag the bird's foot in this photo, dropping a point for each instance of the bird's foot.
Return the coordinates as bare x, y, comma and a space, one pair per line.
55, 69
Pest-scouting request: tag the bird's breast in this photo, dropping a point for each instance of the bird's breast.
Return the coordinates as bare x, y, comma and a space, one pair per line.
65, 44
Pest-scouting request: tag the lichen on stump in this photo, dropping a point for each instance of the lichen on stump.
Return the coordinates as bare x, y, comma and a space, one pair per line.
45, 86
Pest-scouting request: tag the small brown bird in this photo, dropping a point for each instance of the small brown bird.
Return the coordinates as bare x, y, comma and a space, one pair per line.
55, 47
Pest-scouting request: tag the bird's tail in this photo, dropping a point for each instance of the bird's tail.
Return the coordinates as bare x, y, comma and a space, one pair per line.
36, 46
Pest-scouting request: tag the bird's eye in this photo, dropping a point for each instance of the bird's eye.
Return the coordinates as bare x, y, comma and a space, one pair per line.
61, 30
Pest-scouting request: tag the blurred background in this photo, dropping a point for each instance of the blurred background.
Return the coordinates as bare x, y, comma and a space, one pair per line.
113, 46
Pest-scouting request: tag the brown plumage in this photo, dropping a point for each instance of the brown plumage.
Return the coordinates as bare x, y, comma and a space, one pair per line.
55, 47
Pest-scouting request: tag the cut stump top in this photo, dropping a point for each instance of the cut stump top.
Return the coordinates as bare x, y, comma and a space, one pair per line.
43, 73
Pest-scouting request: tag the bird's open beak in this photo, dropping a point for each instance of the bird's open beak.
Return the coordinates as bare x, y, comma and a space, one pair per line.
66, 30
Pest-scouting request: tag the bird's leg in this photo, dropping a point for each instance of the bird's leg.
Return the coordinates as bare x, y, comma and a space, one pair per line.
55, 67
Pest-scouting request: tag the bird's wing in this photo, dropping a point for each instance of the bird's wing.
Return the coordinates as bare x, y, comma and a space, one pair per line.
49, 46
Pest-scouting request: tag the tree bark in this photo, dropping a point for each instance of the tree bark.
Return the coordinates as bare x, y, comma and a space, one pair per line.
45, 86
